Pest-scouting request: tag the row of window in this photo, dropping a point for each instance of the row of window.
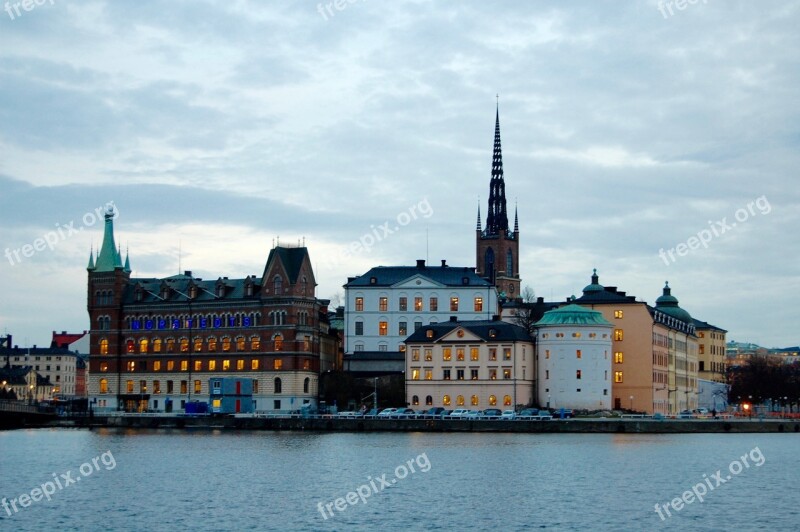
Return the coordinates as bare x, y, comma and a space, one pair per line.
459, 400
171, 345
184, 386
460, 353
447, 373
198, 365
433, 304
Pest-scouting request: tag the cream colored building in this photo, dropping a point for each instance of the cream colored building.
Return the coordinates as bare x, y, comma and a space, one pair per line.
711, 351
470, 364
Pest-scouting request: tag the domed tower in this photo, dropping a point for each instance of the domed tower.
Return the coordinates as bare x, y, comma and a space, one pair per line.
668, 304
497, 247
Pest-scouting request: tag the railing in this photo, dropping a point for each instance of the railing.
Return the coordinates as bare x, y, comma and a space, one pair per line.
17, 406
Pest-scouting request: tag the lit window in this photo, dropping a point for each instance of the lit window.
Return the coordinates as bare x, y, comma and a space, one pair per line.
170, 365
255, 343
414, 374
618, 335
143, 345
473, 374
493, 373
460, 400
383, 304
240, 343
459, 353
506, 353
618, 357
618, 314
129, 386
492, 400
428, 354
492, 353
446, 400
506, 373
132, 365
415, 354
428, 374
578, 353
474, 353
212, 365
578, 374
104, 347
103, 366
278, 340
617, 376
240, 364
418, 304
254, 364
226, 343
157, 345
184, 345
453, 304
184, 365
130, 346
359, 304
226, 365
474, 400
507, 400
415, 400
576, 335
429, 333
198, 345
403, 304
383, 328
478, 304
277, 363
447, 353
198, 387
402, 328
198, 365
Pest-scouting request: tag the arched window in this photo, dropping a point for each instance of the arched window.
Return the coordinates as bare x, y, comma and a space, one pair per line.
278, 339
303, 286
143, 345
277, 284
226, 343
130, 346
157, 345
509, 263
198, 345
446, 400
103, 385
415, 400
240, 343
429, 400
492, 400
306, 385
184, 345
460, 400
474, 400
255, 343
488, 264
103, 346
507, 400
278, 385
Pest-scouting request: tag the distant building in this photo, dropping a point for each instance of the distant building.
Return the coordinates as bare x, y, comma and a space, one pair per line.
78, 343
711, 351
573, 354
388, 303
55, 367
712, 395
470, 364
156, 342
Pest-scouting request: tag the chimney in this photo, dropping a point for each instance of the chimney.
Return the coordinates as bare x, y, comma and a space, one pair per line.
453, 318
420, 263
444, 263
187, 273
540, 300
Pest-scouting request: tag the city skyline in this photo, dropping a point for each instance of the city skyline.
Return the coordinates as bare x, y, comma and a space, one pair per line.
628, 137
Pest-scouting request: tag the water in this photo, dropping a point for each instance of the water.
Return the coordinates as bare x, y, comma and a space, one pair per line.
216, 480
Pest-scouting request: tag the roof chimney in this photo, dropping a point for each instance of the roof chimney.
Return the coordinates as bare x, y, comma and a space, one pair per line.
187, 273
444, 263
453, 318
420, 263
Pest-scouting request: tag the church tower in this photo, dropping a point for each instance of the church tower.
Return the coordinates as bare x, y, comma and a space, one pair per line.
497, 247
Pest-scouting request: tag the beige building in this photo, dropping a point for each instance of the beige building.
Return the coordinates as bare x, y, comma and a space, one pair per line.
470, 364
654, 361
711, 351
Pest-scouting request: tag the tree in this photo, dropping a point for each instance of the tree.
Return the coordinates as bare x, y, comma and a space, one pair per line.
524, 314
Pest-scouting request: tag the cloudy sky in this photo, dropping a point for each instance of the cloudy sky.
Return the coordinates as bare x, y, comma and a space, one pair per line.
218, 127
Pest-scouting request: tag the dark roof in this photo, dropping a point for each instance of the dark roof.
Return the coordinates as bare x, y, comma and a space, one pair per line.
609, 294
537, 308
375, 355
180, 285
705, 325
446, 275
503, 331
21, 351
15, 375
292, 259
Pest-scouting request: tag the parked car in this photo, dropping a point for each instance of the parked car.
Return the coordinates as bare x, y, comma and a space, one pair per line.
544, 415
528, 413
567, 413
404, 412
386, 412
472, 414
508, 414
686, 414
435, 412
459, 412
491, 413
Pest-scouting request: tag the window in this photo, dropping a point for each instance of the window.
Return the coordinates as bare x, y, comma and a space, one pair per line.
473, 374
402, 328
415, 354
474, 353
506, 353
170, 365
446, 400
474, 400
277, 363
429, 333
255, 387
198, 365
415, 400
460, 400
226, 343
212, 365
131, 365
240, 343
254, 364
255, 343
433, 304
277, 284
103, 366
157, 345
278, 385
429, 400
417, 325
383, 304
478, 304
170, 388
240, 364
547, 374
129, 386
306, 385
212, 344
226, 365
447, 353
493, 373
184, 365
446, 374
104, 347
618, 335
453, 304
359, 328
198, 387
618, 357
459, 353
428, 354
383, 328
578, 353
460, 374
403, 305
414, 374
359, 304
184, 387
506, 373
618, 314
507, 400
143, 345
103, 385
617, 376
278, 339
492, 353
129, 346
578, 374
198, 345
428, 374
492, 400
418, 304
184, 345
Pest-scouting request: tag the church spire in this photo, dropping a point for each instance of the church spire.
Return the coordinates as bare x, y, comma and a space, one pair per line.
90, 267
108, 258
478, 226
497, 219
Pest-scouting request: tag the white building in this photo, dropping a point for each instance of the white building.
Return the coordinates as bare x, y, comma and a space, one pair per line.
388, 303
470, 364
574, 362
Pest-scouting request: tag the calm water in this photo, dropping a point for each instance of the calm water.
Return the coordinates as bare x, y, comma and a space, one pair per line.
177, 480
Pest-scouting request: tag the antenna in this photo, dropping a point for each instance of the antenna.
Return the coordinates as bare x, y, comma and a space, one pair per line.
427, 258
179, 256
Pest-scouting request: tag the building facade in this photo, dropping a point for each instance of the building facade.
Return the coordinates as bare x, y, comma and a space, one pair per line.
470, 364
156, 342
711, 351
573, 358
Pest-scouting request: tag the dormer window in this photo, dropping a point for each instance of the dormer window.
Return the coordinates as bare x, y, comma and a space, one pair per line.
277, 284
192, 292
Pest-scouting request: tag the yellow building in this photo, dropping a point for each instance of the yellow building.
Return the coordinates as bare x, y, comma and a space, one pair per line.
711, 351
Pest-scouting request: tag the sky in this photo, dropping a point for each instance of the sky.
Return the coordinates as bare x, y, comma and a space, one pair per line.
654, 141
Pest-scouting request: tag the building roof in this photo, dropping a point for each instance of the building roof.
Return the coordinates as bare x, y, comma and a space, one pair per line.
64, 339
705, 325
445, 275
375, 355
180, 285
573, 315
486, 330
595, 294
108, 258
292, 259
668, 304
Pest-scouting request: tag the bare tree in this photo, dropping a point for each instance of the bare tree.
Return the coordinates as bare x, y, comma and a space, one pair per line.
524, 314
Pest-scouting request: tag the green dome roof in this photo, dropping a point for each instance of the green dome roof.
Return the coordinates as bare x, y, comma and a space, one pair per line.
595, 286
572, 315
668, 304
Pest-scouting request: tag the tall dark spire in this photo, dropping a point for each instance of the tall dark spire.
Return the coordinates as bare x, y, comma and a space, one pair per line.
496, 218
478, 227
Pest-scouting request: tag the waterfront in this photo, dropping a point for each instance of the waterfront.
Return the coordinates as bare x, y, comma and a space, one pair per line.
222, 480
